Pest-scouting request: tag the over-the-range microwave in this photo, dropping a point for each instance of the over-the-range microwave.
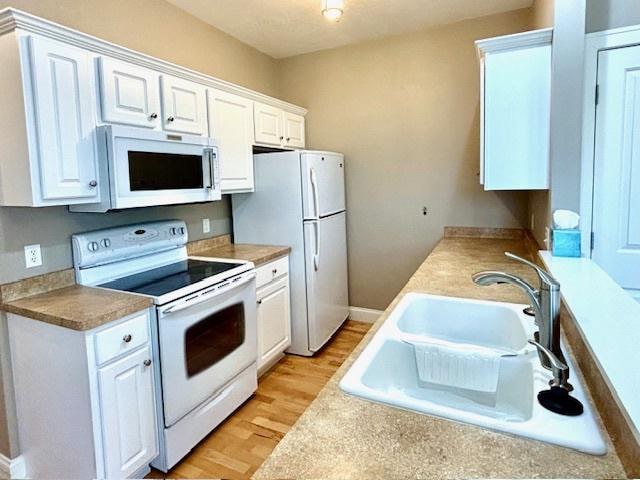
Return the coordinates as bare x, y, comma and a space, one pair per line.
143, 168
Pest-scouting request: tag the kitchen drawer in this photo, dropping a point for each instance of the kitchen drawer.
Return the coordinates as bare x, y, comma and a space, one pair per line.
122, 338
272, 270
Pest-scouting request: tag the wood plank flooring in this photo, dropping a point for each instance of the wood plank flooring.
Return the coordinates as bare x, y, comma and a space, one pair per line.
237, 448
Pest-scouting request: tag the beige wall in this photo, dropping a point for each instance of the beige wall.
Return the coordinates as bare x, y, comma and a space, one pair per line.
157, 28
606, 14
538, 201
404, 110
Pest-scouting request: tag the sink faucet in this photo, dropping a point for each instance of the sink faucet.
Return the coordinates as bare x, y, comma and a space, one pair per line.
545, 302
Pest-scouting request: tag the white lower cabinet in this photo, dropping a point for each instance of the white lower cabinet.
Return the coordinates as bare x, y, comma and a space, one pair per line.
126, 404
274, 312
85, 400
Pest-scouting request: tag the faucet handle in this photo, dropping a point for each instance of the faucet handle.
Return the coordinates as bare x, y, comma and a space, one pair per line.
544, 276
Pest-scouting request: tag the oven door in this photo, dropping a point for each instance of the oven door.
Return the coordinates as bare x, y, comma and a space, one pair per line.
156, 168
206, 339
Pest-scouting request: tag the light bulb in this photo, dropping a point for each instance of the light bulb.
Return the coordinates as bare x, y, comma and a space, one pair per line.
332, 10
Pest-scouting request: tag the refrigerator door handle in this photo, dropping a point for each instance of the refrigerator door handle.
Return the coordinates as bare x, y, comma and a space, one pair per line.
316, 199
316, 255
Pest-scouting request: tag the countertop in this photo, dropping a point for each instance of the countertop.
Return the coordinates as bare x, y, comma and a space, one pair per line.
341, 436
53, 298
77, 307
258, 254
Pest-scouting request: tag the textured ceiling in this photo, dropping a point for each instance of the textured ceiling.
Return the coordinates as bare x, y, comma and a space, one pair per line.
283, 28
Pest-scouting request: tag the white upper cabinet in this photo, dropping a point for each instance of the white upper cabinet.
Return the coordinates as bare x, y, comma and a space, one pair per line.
129, 94
231, 125
268, 124
278, 128
293, 130
64, 115
515, 111
183, 106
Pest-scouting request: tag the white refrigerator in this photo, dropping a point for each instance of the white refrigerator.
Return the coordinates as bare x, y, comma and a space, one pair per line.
299, 201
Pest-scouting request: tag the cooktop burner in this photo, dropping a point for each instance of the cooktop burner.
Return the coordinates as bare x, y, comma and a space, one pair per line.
169, 278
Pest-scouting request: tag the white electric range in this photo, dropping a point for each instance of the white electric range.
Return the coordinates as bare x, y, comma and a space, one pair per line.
204, 328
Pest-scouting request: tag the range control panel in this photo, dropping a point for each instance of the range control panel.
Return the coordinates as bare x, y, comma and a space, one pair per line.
122, 243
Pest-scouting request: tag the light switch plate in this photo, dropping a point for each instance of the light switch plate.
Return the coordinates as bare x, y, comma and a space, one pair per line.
206, 225
32, 256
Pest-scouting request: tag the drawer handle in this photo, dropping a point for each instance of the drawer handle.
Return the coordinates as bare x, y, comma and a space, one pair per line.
147, 362
127, 338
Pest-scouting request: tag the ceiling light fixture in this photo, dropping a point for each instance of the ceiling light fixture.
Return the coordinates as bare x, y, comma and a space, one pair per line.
332, 10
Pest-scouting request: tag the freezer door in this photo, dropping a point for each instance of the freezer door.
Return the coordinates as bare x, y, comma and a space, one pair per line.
326, 271
322, 184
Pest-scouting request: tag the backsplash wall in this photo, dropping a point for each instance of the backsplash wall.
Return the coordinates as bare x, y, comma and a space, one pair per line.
52, 228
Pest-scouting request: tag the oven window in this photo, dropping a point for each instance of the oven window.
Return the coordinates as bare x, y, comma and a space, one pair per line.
164, 171
213, 338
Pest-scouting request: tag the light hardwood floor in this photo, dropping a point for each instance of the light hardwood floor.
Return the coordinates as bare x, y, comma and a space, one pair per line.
237, 448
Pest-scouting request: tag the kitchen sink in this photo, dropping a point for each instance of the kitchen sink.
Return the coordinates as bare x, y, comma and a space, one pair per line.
386, 371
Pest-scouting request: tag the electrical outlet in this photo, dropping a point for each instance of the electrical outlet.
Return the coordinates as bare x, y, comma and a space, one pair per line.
547, 238
32, 256
206, 225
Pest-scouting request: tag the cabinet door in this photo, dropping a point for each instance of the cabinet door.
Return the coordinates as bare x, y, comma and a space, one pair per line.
274, 321
231, 125
293, 130
129, 94
128, 414
65, 119
516, 119
268, 125
184, 106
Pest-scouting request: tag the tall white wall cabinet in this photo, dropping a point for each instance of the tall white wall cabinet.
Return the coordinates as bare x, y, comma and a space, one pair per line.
57, 85
515, 95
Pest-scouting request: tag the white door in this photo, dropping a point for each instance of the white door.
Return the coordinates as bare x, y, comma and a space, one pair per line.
517, 88
274, 320
128, 414
231, 125
616, 195
325, 248
268, 124
322, 184
293, 130
64, 100
129, 94
184, 106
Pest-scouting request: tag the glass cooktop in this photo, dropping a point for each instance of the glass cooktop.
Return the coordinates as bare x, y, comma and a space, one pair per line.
169, 278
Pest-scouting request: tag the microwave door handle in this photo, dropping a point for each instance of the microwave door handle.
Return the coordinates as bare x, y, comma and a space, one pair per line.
207, 295
214, 165
207, 158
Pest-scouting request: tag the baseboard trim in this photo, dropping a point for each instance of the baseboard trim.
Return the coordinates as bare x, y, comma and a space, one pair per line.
367, 315
12, 467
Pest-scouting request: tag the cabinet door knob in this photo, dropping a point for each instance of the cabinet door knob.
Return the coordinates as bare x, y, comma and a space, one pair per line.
93, 183
274, 271
259, 302
281, 138
147, 362
170, 119
153, 116
127, 338
288, 138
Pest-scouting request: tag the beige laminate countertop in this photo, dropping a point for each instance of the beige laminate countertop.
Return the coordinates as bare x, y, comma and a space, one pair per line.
258, 254
342, 437
52, 298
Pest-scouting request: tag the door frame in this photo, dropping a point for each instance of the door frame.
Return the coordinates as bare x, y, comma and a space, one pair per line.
595, 43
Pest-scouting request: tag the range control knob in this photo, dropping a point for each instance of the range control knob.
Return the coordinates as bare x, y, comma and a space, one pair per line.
93, 246
181, 230
173, 231
106, 243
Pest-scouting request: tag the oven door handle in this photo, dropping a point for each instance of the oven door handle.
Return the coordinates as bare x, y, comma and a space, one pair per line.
209, 294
